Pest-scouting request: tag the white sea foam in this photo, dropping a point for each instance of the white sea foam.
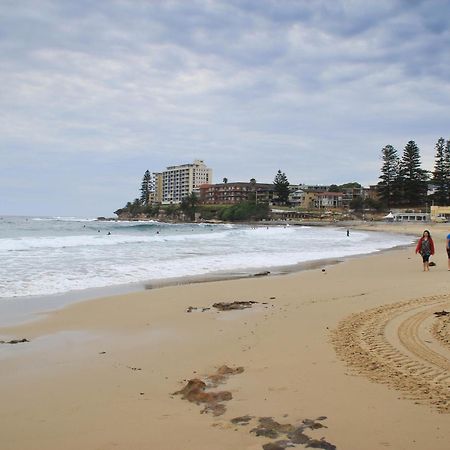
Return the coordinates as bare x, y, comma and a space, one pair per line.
55, 256
62, 219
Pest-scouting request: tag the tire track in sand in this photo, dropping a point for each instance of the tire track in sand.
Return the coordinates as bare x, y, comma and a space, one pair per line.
408, 333
407, 363
441, 330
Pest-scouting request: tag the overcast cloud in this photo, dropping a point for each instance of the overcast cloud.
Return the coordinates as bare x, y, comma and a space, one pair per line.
94, 93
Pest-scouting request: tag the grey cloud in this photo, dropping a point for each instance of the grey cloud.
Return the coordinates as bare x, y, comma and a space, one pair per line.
269, 84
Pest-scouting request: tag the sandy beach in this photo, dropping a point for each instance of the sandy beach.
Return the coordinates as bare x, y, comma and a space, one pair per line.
349, 356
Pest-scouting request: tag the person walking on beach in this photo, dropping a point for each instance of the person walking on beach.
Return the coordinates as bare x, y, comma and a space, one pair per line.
425, 247
448, 250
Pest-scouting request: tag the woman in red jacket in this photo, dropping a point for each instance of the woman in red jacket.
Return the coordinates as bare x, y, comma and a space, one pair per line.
425, 247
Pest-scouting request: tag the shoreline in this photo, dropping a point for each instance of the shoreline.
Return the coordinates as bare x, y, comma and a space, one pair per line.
20, 310
308, 359
12, 313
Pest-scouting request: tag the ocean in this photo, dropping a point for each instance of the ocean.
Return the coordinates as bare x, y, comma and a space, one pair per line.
45, 256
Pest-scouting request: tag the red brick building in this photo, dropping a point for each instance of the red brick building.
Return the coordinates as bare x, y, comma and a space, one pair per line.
231, 193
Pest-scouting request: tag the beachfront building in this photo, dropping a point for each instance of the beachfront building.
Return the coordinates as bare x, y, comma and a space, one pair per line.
232, 193
328, 200
408, 217
440, 213
302, 198
352, 193
177, 182
310, 199
297, 197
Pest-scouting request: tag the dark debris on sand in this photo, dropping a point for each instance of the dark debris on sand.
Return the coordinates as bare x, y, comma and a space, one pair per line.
242, 420
15, 341
197, 391
293, 435
229, 306
195, 308
226, 306
282, 435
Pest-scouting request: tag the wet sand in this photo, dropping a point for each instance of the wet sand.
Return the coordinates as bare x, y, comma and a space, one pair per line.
349, 356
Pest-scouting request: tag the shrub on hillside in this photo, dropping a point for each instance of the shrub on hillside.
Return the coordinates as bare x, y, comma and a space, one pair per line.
244, 211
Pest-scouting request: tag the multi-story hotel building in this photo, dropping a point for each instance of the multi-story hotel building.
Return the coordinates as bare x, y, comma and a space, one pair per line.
177, 182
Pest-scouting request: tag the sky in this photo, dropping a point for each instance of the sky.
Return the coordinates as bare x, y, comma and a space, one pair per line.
94, 93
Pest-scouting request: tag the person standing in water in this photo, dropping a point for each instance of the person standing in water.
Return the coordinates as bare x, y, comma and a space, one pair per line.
425, 247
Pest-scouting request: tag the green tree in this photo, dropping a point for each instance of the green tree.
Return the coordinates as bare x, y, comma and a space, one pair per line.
441, 174
225, 180
413, 179
136, 207
388, 186
281, 187
147, 186
357, 204
189, 205
244, 211
333, 188
171, 210
351, 185
447, 170
150, 211
371, 203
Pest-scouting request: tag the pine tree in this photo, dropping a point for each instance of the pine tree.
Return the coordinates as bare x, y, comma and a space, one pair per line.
447, 170
388, 188
412, 178
147, 186
281, 186
441, 174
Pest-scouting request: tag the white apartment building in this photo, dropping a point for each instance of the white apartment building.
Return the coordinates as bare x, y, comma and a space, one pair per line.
179, 181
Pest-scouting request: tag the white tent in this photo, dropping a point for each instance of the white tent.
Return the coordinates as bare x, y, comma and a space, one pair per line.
389, 217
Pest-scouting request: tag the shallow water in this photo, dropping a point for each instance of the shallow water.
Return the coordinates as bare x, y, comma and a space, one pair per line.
45, 256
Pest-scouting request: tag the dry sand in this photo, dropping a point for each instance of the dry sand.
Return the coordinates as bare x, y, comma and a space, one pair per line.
352, 357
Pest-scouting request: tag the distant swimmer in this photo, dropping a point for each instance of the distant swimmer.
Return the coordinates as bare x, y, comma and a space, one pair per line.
109, 233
